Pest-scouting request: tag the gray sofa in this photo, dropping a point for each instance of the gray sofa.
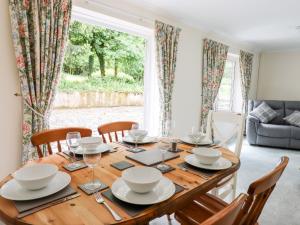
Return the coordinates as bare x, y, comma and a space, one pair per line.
276, 133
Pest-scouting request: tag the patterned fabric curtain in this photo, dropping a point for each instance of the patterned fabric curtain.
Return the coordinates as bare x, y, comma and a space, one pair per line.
214, 59
246, 60
166, 52
39, 30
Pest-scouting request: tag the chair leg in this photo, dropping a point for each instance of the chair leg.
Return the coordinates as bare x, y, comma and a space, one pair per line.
169, 219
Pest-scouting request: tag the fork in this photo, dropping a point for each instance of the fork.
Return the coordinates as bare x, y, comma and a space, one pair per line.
100, 200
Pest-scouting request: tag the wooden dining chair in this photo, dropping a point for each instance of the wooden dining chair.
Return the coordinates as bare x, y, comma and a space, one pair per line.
226, 129
225, 216
203, 206
46, 137
112, 129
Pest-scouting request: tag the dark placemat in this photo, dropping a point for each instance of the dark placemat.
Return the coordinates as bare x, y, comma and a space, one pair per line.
71, 168
200, 172
23, 206
122, 165
136, 150
151, 157
131, 209
163, 170
89, 192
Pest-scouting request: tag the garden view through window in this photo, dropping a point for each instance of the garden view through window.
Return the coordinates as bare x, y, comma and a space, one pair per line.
102, 79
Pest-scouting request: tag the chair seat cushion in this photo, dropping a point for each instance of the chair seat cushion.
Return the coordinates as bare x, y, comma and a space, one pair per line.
274, 131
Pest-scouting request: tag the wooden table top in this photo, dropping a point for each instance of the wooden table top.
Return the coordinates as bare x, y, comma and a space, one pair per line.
85, 210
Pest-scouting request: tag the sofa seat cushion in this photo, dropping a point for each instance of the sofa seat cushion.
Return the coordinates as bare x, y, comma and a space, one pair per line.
295, 133
276, 131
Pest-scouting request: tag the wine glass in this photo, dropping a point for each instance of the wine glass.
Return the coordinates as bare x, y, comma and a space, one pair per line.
134, 134
163, 147
195, 135
92, 158
73, 139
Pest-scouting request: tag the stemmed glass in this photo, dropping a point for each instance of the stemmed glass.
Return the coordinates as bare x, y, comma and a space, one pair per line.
195, 136
73, 139
92, 158
134, 134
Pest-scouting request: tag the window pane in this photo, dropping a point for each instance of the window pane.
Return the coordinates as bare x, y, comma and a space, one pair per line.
224, 98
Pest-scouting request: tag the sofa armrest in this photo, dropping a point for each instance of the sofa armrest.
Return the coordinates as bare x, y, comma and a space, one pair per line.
253, 119
251, 129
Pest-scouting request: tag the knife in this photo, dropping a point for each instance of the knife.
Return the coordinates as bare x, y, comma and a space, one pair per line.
47, 205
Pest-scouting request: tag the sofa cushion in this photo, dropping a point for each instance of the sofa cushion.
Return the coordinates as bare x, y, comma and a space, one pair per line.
275, 131
291, 106
264, 113
293, 119
295, 133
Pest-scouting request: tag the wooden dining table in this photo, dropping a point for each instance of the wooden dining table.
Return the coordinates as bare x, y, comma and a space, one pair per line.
85, 210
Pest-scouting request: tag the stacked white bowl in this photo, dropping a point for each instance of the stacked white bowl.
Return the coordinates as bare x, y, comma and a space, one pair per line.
206, 155
141, 179
35, 176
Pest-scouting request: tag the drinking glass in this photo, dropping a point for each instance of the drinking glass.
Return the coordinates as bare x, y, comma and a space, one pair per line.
163, 147
196, 136
73, 139
134, 135
170, 127
92, 159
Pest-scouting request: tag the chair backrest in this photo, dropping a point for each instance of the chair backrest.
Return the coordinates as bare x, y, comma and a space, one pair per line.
55, 135
228, 215
259, 192
114, 127
226, 128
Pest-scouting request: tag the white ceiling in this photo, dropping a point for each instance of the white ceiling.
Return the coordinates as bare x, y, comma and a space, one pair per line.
268, 24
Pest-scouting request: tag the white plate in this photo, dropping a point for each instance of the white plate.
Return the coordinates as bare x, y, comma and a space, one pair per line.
164, 190
102, 148
221, 164
13, 191
189, 141
146, 140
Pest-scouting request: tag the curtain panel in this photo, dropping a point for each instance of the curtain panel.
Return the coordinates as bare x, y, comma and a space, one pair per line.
166, 54
246, 61
39, 31
214, 59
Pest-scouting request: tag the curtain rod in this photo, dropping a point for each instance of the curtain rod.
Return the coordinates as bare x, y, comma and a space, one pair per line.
140, 18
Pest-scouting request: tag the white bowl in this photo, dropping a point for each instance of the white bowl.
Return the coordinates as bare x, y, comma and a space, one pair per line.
206, 155
90, 143
35, 176
138, 135
141, 179
197, 137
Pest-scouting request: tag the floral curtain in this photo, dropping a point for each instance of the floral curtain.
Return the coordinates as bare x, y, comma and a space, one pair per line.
214, 59
246, 60
39, 30
166, 53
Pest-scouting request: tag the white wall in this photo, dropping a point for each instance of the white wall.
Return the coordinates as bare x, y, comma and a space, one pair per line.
10, 106
279, 76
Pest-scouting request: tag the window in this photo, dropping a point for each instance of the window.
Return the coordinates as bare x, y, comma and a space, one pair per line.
229, 97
